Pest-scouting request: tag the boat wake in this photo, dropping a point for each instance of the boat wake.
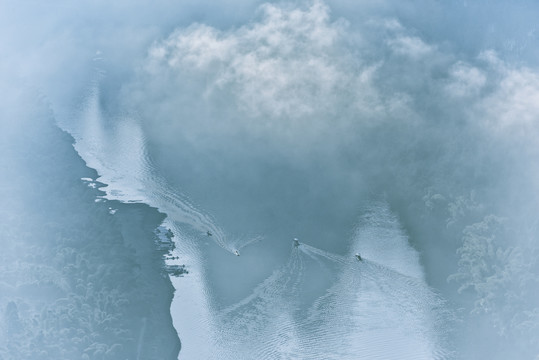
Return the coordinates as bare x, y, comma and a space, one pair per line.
321, 305
117, 149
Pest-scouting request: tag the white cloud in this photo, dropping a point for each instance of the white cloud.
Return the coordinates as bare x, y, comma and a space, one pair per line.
292, 73
511, 109
465, 80
284, 65
282, 75
411, 46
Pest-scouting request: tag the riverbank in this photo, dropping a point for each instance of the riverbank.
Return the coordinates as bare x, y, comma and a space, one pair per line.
81, 277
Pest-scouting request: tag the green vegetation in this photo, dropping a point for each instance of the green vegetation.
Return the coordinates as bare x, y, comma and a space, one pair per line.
76, 280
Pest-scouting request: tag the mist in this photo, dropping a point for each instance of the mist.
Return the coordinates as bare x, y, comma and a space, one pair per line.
404, 131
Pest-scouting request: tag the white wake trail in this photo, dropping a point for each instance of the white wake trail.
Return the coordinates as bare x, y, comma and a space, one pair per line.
368, 311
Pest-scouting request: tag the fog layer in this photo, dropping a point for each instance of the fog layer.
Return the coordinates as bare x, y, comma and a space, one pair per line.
282, 120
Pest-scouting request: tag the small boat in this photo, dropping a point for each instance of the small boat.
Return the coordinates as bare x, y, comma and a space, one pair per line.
209, 233
358, 256
236, 252
296, 242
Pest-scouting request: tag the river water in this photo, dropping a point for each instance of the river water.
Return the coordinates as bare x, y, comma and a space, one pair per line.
275, 300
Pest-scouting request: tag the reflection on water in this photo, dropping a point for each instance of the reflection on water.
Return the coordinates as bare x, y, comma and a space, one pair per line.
314, 304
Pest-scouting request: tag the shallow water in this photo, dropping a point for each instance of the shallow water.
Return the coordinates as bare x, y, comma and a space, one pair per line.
275, 300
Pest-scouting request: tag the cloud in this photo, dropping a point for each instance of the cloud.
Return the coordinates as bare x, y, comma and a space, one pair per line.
297, 78
294, 72
465, 80
283, 65
282, 75
513, 107
411, 46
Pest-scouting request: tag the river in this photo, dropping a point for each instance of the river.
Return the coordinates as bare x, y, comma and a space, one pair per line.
251, 292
